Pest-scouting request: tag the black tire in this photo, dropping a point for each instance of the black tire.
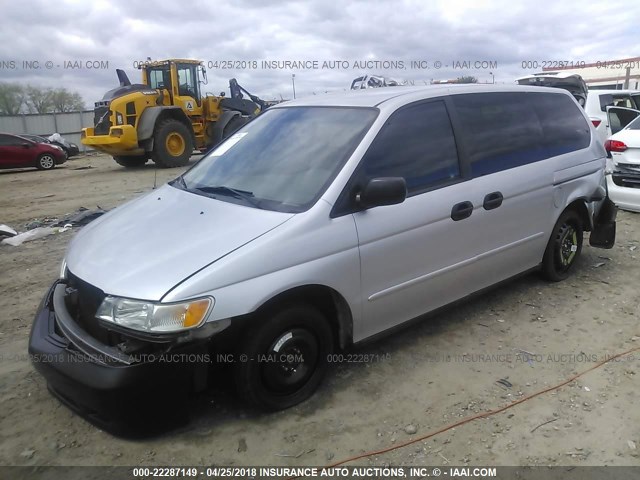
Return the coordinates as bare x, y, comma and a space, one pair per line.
564, 247
165, 153
46, 161
131, 162
283, 359
235, 124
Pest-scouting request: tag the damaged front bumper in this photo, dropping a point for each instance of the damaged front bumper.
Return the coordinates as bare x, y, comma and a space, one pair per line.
124, 393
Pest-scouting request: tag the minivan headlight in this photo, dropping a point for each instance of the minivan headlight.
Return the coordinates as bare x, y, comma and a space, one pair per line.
152, 317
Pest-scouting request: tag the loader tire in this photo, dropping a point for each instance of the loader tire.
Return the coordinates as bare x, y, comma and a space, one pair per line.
172, 144
131, 162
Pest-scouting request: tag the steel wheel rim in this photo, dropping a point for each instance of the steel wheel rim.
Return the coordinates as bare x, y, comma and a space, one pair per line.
567, 246
295, 361
175, 144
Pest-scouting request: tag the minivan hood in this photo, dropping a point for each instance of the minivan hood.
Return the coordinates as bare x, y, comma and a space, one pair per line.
145, 247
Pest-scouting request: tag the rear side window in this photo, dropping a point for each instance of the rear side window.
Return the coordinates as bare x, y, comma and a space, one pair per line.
563, 126
416, 143
502, 131
9, 140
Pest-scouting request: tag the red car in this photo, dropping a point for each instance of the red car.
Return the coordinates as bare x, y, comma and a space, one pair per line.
17, 152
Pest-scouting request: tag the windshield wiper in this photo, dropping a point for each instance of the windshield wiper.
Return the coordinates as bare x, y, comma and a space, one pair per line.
228, 191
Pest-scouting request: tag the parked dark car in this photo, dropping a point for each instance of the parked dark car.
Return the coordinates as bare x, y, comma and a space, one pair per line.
34, 138
18, 152
70, 149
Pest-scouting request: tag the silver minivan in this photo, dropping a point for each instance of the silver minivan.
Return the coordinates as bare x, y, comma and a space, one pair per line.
320, 224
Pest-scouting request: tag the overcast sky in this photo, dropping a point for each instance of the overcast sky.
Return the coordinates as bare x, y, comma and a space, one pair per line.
123, 31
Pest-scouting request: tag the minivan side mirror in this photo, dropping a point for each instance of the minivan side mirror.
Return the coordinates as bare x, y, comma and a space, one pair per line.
382, 191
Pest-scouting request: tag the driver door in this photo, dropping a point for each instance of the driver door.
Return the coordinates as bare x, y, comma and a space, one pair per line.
417, 255
188, 89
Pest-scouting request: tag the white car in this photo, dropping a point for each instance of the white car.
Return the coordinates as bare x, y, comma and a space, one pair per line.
598, 103
624, 180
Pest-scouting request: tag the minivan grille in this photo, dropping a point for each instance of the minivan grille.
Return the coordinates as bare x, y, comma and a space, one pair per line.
84, 311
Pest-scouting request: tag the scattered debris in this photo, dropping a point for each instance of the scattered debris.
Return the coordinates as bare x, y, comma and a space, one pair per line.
542, 424
410, 429
633, 247
587, 389
304, 452
525, 352
7, 231
81, 217
39, 228
87, 167
483, 325
242, 445
36, 222
28, 236
578, 453
598, 265
27, 453
505, 382
632, 444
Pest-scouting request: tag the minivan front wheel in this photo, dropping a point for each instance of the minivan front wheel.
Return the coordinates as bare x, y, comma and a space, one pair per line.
284, 357
564, 247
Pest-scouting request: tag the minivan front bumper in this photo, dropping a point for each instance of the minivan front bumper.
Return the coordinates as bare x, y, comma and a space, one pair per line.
119, 393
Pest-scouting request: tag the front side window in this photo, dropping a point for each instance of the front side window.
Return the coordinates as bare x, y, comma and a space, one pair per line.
159, 78
416, 143
284, 159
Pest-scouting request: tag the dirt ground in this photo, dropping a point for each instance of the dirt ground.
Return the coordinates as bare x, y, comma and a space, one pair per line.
429, 375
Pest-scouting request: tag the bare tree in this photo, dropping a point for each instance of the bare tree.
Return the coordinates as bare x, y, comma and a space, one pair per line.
467, 79
40, 100
65, 101
12, 98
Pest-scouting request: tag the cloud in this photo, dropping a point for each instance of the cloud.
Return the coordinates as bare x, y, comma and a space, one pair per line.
120, 32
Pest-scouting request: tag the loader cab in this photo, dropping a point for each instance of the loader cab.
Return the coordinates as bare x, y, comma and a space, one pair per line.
179, 80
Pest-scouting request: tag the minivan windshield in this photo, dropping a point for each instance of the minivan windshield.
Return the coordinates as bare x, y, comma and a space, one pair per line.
283, 160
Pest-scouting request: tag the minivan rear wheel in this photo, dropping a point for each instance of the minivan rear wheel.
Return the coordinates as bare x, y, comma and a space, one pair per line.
284, 357
564, 247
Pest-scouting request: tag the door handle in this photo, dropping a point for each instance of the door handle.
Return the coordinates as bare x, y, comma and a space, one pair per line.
492, 200
461, 211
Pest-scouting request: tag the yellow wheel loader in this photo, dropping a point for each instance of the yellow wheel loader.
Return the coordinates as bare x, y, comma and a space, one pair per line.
166, 117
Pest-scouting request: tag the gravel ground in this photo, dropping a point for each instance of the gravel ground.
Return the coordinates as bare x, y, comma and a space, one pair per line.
433, 373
